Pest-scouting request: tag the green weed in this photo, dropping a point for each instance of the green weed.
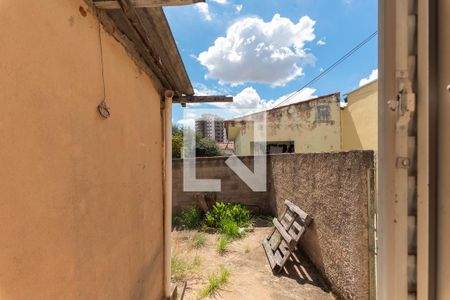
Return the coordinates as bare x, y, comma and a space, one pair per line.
215, 282
181, 267
222, 244
199, 240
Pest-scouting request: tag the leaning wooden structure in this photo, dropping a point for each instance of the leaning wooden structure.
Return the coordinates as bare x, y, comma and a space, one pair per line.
286, 234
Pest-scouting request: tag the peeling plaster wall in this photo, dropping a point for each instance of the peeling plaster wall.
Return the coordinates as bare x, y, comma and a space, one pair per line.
81, 207
298, 123
334, 189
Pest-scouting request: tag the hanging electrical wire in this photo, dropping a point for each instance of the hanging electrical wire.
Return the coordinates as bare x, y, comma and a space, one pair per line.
334, 65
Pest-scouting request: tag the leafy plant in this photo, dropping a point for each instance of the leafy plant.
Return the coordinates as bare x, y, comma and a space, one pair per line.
191, 218
222, 244
228, 211
199, 240
229, 228
215, 282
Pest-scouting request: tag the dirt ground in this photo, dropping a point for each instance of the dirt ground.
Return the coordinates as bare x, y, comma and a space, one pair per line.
250, 274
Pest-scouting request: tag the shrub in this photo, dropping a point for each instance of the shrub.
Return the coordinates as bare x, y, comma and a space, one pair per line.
229, 228
236, 213
191, 218
215, 282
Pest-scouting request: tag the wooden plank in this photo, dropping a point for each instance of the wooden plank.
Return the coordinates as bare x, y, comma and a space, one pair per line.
151, 41
278, 261
170, 56
300, 229
307, 219
269, 254
201, 99
286, 222
141, 40
145, 3
289, 240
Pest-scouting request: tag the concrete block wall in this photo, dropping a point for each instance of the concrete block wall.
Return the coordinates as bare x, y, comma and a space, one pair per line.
233, 189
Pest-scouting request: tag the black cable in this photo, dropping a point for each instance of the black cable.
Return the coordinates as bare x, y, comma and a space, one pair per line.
327, 70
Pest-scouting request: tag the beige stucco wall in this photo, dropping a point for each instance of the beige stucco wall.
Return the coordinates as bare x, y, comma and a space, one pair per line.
359, 119
80, 196
297, 123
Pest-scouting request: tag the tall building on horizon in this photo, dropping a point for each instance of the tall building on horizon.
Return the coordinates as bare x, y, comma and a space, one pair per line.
211, 126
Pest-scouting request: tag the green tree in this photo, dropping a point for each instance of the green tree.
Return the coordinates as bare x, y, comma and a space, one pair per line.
206, 147
177, 145
177, 131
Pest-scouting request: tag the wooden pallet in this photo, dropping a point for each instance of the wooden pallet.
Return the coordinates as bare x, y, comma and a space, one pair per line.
283, 239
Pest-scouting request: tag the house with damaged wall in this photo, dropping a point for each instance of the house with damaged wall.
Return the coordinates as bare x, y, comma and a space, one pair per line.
307, 126
321, 124
85, 149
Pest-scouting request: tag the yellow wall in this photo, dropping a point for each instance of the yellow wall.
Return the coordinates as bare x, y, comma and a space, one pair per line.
81, 212
296, 122
359, 119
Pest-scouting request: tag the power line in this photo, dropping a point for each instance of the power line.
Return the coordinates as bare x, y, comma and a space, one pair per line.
334, 65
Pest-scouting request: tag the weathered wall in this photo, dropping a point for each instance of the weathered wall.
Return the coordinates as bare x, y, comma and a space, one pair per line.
334, 189
81, 197
360, 119
296, 122
233, 189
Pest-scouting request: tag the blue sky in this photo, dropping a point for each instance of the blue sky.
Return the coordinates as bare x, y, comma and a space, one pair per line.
270, 48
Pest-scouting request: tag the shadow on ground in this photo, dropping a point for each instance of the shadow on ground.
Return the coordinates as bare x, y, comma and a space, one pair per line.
300, 268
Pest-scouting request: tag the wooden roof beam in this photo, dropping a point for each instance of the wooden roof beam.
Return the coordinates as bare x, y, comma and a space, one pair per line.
113, 4
201, 99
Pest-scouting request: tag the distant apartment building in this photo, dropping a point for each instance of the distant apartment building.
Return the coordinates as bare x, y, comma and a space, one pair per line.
211, 126
308, 126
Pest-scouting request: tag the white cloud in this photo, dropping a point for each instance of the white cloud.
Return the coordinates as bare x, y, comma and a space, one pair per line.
220, 1
187, 123
201, 89
238, 7
257, 51
373, 76
321, 42
203, 8
248, 100
305, 94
